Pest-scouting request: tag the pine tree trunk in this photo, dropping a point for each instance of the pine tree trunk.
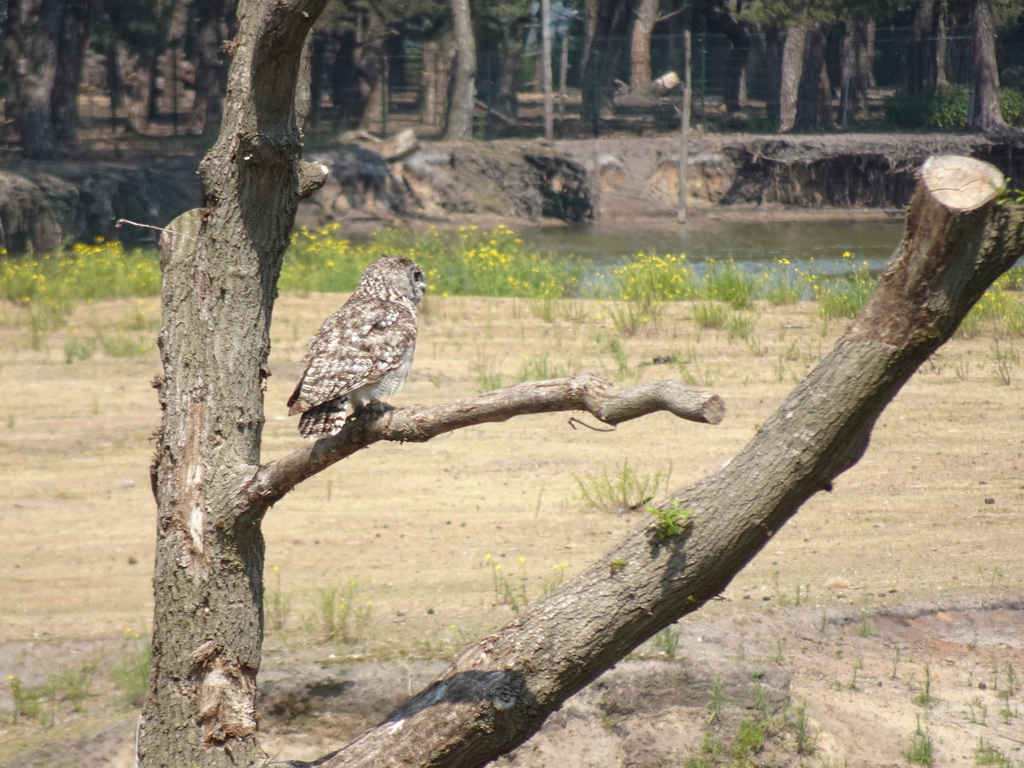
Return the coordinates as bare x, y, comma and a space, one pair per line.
813, 109
220, 266
922, 69
986, 115
75, 28
791, 71
459, 123
31, 52
645, 17
208, 102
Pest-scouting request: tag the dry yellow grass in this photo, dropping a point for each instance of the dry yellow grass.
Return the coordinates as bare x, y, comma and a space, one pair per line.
932, 511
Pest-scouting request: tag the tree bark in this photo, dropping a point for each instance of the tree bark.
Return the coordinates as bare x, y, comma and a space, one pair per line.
500, 690
459, 123
371, 66
220, 266
208, 102
858, 77
608, 28
922, 62
791, 70
644, 18
739, 53
31, 53
813, 107
74, 36
986, 115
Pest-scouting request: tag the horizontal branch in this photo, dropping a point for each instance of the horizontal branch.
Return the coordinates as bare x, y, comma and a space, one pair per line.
419, 423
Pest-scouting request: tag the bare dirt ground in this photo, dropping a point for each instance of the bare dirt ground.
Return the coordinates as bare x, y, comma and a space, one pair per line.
905, 580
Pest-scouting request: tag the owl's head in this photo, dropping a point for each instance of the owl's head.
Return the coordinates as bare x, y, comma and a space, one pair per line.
395, 275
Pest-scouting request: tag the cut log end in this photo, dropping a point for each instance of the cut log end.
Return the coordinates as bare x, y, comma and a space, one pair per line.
961, 183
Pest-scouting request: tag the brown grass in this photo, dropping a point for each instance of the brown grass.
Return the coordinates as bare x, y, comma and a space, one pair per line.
933, 510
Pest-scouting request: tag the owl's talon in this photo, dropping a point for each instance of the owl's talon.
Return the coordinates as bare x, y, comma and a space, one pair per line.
372, 410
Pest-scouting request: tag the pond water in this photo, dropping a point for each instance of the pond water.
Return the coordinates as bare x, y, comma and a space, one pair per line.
816, 246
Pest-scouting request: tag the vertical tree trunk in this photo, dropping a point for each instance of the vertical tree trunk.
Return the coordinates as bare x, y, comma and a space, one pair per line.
790, 75
115, 85
813, 107
220, 266
74, 37
736, 65
208, 101
371, 68
858, 76
986, 115
545, 35
31, 54
597, 82
644, 19
459, 123
922, 72
139, 91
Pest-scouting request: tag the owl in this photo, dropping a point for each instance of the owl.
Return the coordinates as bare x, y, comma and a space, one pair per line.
362, 353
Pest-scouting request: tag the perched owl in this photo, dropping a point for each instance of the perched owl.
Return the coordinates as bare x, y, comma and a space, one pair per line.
362, 353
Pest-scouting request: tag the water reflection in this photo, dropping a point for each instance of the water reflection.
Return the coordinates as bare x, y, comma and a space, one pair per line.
807, 246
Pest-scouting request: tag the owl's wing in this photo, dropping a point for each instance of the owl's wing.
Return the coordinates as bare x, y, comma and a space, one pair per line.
354, 347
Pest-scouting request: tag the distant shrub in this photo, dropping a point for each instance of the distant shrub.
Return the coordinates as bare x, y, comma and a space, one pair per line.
1011, 104
950, 108
909, 110
946, 108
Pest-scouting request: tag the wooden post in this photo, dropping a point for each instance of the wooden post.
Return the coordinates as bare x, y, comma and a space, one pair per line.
684, 127
545, 37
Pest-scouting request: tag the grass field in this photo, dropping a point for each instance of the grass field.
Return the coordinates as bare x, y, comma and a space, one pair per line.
414, 550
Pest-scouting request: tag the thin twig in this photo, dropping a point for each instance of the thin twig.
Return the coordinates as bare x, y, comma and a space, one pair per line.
150, 226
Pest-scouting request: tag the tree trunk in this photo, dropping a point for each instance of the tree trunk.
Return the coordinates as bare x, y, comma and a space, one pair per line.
791, 71
208, 102
644, 19
220, 266
459, 122
74, 38
858, 77
986, 115
138, 88
497, 693
739, 53
372, 68
922, 69
598, 78
31, 54
813, 101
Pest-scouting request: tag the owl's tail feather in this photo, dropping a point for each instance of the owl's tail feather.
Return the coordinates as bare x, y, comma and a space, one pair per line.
323, 420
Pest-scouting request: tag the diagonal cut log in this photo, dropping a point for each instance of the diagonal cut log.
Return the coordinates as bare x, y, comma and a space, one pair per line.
958, 240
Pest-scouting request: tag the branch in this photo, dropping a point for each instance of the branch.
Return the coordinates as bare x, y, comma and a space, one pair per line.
500, 690
419, 423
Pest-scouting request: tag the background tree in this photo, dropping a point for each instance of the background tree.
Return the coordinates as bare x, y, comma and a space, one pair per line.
210, 24
719, 19
924, 65
459, 120
34, 32
607, 24
985, 114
